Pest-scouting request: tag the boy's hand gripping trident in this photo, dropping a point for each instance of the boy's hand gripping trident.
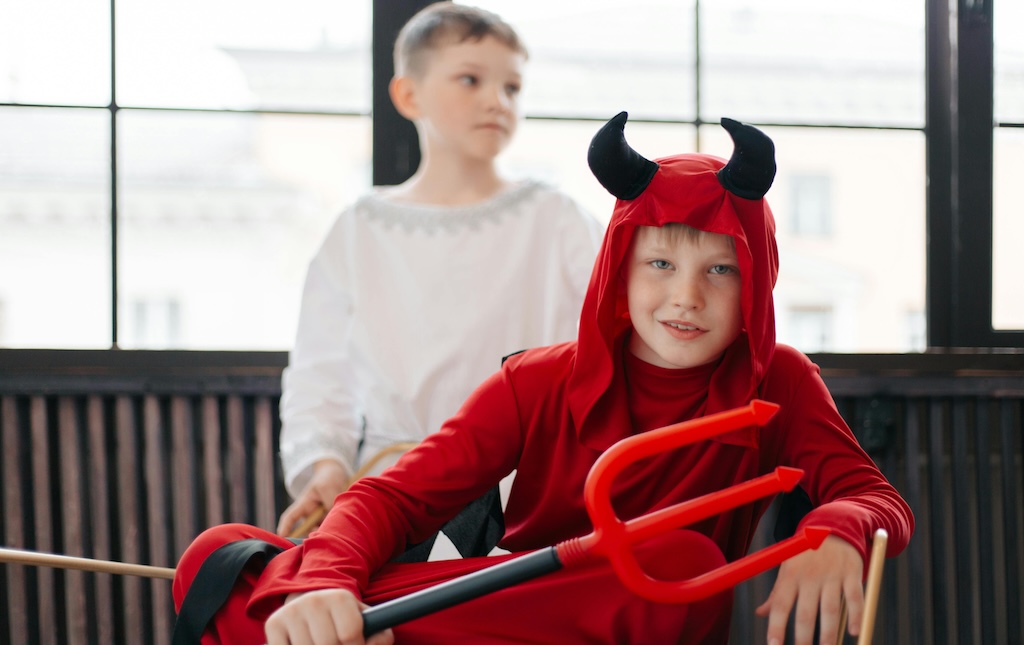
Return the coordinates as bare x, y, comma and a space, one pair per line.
613, 538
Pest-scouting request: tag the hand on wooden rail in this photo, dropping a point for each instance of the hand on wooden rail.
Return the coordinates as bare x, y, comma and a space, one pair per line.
312, 519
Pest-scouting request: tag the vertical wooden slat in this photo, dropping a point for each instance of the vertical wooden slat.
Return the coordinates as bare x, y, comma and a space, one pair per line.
964, 546
72, 517
915, 554
128, 485
263, 468
983, 497
158, 518
237, 450
42, 496
213, 473
183, 489
1010, 430
99, 483
14, 526
887, 620
942, 611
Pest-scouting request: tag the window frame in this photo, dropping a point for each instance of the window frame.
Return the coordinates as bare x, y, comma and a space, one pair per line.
959, 136
959, 202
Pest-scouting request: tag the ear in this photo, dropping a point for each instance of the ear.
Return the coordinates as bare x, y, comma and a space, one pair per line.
403, 95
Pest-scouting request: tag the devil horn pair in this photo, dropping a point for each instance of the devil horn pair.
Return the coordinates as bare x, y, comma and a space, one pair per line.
625, 173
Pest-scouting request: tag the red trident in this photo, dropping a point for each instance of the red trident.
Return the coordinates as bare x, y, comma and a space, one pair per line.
613, 539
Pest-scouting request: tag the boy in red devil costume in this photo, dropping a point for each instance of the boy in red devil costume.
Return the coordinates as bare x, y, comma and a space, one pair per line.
678, 323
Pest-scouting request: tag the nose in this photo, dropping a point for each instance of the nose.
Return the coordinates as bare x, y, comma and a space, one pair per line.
496, 98
687, 292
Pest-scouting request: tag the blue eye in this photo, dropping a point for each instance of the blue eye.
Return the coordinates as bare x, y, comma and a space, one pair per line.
512, 90
722, 269
468, 79
661, 264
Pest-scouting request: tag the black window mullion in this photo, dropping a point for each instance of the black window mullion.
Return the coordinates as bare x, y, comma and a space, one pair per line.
396, 148
939, 159
972, 205
113, 178
960, 117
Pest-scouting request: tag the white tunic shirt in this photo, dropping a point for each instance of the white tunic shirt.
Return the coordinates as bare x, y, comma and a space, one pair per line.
407, 308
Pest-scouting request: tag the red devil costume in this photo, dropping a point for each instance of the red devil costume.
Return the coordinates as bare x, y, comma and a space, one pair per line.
550, 412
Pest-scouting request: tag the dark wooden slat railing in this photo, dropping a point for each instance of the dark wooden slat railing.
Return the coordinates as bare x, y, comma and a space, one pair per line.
125, 455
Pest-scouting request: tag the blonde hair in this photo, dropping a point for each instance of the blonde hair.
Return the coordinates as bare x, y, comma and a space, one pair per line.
446, 23
674, 232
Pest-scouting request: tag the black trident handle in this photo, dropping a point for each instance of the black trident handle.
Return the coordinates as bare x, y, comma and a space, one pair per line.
451, 593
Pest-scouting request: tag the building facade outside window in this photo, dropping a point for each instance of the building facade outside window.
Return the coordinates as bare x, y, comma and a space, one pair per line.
238, 142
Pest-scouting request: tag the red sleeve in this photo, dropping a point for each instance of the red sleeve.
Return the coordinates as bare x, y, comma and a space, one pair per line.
849, 494
377, 517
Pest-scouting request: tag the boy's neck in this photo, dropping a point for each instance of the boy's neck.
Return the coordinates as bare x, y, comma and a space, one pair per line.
460, 186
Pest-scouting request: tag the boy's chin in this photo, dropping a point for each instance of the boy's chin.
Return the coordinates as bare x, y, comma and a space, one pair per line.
676, 361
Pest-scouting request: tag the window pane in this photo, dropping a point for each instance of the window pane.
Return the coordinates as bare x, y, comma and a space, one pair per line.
792, 61
55, 52
556, 152
1008, 230
810, 328
54, 228
810, 205
221, 214
868, 270
302, 55
1008, 153
1008, 20
598, 57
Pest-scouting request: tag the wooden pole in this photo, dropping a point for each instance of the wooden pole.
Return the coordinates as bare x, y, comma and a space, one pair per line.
18, 556
873, 586
52, 560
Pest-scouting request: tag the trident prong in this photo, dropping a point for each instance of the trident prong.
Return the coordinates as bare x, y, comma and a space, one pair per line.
613, 538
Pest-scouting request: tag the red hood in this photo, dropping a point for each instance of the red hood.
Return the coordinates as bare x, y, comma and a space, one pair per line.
684, 188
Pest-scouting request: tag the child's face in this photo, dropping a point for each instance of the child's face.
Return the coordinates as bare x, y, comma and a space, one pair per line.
684, 296
467, 100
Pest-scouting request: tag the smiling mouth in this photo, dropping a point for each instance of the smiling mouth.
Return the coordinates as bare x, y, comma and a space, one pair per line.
683, 327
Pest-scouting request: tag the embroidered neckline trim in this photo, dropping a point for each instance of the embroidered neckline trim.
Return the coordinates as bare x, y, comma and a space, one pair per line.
451, 219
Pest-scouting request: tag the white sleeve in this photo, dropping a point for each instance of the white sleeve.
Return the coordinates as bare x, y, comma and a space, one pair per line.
320, 413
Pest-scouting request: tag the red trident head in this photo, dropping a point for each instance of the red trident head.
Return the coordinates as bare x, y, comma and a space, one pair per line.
613, 538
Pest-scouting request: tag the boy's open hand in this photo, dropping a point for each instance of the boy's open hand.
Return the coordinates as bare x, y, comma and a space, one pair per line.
814, 580
324, 617
328, 481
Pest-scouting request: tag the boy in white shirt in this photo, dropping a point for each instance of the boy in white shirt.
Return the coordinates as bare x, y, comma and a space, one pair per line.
420, 289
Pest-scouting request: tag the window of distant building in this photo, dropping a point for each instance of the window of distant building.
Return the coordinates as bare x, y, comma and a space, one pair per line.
153, 323
811, 205
916, 331
811, 328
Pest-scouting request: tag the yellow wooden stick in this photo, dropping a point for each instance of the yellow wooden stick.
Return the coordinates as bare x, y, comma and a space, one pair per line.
55, 561
871, 591
313, 520
843, 616
873, 586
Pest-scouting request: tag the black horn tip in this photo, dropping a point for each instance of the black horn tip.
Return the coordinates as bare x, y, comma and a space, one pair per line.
751, 169
621, 170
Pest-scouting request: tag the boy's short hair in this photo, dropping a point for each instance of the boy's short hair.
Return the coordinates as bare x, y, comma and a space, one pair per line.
673, 232
444, 23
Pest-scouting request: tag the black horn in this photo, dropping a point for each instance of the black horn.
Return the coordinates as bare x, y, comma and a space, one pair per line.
751, 169
619, 168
